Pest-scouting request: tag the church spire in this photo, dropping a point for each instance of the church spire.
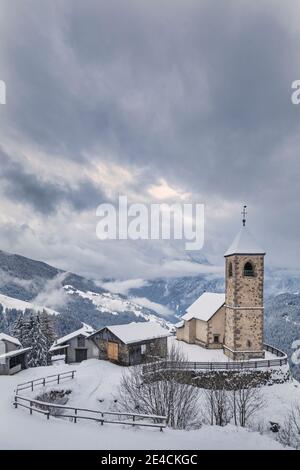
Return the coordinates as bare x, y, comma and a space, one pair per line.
244, 213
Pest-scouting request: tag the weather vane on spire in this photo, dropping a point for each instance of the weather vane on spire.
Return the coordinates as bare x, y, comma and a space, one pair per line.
244, 213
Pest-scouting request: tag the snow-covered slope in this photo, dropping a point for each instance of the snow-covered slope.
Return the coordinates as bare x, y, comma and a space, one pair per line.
9, 303
99, 380
115, 304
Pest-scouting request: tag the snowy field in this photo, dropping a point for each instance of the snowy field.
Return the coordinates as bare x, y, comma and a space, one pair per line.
99, 380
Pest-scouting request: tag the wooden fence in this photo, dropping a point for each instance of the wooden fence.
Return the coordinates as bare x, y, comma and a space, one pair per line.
75, 414
162, 366
57, 378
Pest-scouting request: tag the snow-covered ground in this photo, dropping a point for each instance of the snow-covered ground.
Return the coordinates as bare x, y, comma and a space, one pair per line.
196, 353
99, 380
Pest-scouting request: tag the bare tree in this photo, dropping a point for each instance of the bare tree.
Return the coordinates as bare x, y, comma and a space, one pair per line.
216, 406
164, 393
289, 434
245, 400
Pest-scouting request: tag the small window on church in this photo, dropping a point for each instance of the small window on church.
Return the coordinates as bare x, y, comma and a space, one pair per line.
248, 343
216, 338
230, 269
248, 269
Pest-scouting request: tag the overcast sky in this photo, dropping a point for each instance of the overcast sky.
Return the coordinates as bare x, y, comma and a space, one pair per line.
161, 100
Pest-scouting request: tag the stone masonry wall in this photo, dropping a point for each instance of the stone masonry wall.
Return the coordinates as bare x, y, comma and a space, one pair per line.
244, 324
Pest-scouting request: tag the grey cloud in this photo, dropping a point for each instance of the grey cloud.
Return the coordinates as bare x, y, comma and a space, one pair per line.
45, 197
195, 92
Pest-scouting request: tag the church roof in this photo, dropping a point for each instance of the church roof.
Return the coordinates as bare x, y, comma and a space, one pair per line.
244, 244
205, 306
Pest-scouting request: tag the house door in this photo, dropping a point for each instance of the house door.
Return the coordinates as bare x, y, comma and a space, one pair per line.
112, 351
80, 355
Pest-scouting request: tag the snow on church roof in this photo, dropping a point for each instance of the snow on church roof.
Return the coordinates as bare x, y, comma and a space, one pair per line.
205, 306
138, 331
244, 243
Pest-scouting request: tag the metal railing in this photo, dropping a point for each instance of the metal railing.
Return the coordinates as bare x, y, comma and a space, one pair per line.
163, 366
75, 414
57, 378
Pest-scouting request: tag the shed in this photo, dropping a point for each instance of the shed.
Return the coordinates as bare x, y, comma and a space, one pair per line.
132, 343
13, 357
75, 346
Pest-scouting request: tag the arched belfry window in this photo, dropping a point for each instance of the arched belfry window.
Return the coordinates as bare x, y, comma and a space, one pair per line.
230, 269
248, 269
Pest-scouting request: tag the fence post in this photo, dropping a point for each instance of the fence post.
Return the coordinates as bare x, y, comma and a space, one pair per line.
58, 378
72, 374
32, 385
44, 381
30, 404
75, 419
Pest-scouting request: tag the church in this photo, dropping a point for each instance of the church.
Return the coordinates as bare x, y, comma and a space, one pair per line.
233, 321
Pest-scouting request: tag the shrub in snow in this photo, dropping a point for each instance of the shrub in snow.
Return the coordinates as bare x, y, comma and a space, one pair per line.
58, 397
239, 404
289, 434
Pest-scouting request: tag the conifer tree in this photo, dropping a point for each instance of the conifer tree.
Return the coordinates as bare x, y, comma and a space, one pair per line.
47, 328
37, 355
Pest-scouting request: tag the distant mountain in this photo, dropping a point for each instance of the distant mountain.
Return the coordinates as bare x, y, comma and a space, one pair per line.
282, 324
29, 284
178, 293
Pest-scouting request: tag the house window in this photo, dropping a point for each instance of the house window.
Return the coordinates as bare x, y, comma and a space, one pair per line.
81, 341
248, 269
143, 349
216, 338
230, 269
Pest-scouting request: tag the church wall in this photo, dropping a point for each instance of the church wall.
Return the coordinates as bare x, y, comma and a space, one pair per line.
243, 324
188, 332
201, 332
249, 290
216, 326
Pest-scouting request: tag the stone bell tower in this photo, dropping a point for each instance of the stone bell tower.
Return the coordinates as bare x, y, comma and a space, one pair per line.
244, 303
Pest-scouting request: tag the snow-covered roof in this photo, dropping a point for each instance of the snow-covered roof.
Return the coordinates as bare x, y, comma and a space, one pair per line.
244, 243
135, 332
205, 306
58, 347
86, 331
17, 352
11, 339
